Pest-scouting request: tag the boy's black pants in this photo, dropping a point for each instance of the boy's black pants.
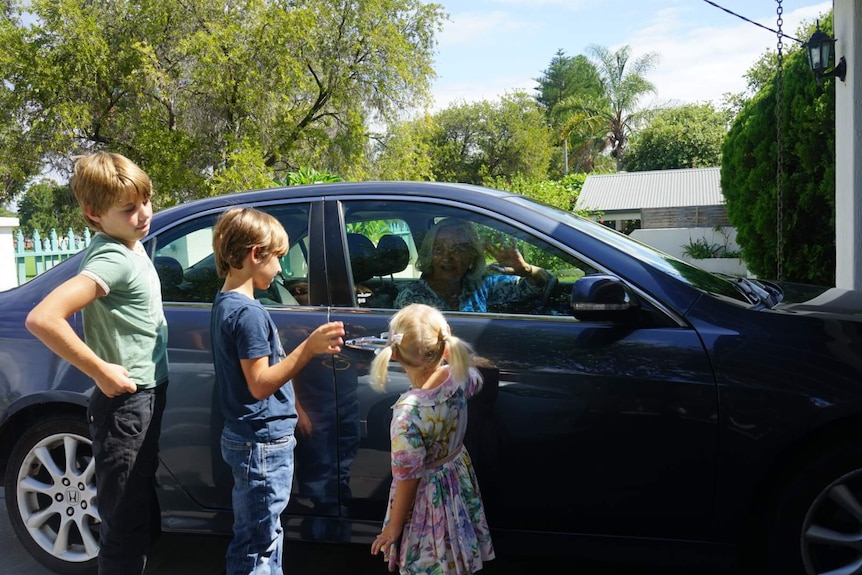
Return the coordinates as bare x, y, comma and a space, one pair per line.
125, 432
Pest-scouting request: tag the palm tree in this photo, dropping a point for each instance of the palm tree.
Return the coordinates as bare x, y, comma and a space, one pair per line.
606, 121
567, 78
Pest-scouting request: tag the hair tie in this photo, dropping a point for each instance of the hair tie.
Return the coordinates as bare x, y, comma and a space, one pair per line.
395, 338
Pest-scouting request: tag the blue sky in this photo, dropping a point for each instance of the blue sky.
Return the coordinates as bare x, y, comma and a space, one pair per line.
489, 47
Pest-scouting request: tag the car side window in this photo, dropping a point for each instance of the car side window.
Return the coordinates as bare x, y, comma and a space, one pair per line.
186, 266
184, 261
382, 256
406, 252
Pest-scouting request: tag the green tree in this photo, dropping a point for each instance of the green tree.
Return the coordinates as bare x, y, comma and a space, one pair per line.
562, 193
474, 141
607, 121
568, 79
47, 205
209, 96
309, 176
688, 136
19, 158
404, 151
749, 175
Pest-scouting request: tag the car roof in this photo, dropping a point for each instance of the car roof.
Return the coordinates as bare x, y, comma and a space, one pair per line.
466, 193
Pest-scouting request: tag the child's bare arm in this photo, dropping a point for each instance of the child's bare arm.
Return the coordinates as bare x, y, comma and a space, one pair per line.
49, 321
263, 380
402, 503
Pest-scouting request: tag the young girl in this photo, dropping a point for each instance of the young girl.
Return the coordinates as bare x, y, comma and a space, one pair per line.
435, 522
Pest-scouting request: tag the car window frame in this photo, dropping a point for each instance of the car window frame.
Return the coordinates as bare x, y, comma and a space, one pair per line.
486, 213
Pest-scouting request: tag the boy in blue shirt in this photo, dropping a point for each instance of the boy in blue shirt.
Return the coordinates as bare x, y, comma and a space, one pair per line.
124, 351
253, 382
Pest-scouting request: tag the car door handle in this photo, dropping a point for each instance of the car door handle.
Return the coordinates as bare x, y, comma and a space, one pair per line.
372, 343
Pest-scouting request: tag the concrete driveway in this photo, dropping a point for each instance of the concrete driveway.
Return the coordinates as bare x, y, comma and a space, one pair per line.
204, 555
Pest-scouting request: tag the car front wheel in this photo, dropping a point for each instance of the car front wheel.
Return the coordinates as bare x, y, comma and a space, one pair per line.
51, 495
817, 525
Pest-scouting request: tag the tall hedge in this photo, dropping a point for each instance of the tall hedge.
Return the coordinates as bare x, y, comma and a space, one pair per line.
749, 176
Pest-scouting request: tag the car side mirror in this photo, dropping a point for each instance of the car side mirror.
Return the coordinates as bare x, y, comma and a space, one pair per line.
601, 297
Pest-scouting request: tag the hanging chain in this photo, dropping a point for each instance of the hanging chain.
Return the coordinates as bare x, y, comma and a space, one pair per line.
779, 171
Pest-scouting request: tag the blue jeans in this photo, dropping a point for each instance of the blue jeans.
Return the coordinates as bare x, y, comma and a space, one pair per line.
262, 476
125, 432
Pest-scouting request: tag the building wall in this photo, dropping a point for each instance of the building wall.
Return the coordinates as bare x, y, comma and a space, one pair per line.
8, 271
684, 217
673, 241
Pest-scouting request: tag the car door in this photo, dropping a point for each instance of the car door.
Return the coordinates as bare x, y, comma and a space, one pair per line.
583, 427
192, 423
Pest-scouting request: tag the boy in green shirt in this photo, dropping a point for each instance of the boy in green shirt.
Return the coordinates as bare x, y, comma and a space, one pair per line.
124, 351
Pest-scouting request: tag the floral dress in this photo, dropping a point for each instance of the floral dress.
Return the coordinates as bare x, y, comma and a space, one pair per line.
447, 531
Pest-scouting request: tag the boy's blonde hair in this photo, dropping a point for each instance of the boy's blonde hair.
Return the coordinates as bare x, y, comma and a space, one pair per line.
420, 335
102, 179
239, 230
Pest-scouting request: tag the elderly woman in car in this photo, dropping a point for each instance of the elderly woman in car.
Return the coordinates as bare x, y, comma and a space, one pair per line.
455, 276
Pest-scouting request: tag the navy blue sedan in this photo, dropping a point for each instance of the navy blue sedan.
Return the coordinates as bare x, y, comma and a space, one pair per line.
634, 405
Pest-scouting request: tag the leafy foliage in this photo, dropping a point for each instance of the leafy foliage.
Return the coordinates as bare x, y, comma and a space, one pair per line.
474, 141
687, 136
46, 206
749, 176
19, 157
569, 79
606, 121
702, 249
309, 176
404, 151
207, 96
562, 193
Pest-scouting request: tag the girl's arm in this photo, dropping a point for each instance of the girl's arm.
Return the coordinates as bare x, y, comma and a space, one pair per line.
402, 503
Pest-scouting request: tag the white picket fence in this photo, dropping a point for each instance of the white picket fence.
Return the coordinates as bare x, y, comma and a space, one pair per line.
23, 258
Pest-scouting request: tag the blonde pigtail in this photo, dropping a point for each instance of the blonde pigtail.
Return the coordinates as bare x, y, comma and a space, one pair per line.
460, 357
380, 369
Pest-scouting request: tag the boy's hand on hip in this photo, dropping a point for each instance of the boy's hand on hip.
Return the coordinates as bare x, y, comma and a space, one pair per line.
115, 381
327, 338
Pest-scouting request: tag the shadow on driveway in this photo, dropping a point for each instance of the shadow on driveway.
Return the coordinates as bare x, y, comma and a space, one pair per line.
176, 554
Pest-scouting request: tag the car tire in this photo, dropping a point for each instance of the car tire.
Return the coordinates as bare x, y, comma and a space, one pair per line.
815, 524
50, 492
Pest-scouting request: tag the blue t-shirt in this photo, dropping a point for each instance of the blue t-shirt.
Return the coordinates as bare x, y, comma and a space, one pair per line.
241, 328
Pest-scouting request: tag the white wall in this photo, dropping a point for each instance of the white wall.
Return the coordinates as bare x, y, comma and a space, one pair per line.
8, 270
847, 27
673, 240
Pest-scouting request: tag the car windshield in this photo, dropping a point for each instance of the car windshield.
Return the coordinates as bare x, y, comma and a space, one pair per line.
685, 272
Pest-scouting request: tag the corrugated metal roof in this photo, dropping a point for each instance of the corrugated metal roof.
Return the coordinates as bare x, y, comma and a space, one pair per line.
655, 189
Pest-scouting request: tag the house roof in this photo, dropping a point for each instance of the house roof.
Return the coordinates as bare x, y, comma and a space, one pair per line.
629, 191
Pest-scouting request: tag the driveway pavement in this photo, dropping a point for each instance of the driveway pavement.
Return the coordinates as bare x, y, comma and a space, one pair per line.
204, 555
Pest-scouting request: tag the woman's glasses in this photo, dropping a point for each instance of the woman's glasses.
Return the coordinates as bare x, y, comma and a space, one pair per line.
452, 250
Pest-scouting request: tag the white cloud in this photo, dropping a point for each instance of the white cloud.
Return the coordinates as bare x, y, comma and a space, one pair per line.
703, 63
459, 92
703, 51
477, 28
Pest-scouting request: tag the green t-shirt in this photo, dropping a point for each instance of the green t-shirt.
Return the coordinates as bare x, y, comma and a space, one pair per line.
127, 326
